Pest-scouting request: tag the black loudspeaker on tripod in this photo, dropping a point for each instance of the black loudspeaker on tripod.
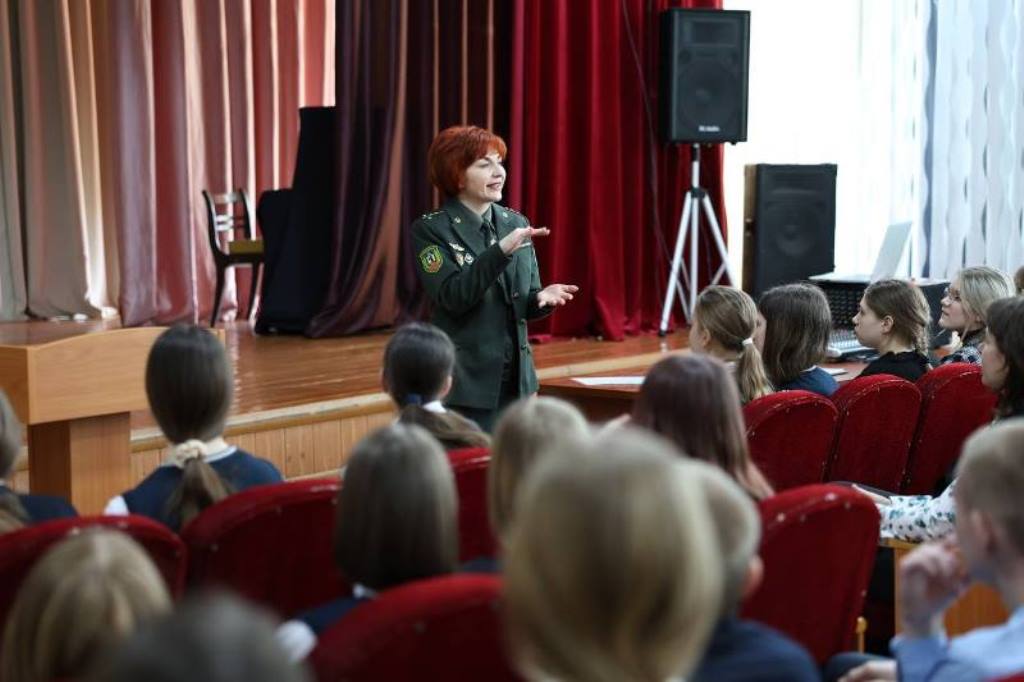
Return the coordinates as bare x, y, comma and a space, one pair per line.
703, 96
703, 79
789, 224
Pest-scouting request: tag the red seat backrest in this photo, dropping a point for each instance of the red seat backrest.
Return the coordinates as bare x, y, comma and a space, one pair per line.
790, 435
446, 628
954, 403
877, 420
21, 549
818, 548
272, 544
475, 536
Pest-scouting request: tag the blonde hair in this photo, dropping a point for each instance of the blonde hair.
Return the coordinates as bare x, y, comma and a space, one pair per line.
906, 305
527, 431
730, 316
612, 570
736, 522
990, 477
980, 286
83, 595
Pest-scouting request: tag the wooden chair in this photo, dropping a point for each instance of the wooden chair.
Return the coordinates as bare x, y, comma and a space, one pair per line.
228, 215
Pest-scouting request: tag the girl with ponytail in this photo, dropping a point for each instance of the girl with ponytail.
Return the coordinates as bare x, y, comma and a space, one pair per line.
189, 384
17, 510
723, 327
419, 362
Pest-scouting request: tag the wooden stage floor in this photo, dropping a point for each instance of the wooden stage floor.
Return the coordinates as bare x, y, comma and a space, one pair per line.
297, 398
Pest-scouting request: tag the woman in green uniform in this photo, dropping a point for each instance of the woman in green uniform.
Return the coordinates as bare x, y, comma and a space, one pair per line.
477, 264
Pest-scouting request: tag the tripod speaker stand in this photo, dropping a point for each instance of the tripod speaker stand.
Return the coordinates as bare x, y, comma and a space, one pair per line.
689, 230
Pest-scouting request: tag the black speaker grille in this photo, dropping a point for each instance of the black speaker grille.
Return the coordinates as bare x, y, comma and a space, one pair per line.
703, 79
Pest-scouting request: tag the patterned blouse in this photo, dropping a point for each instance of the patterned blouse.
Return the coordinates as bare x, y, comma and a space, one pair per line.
918, 518
969, 350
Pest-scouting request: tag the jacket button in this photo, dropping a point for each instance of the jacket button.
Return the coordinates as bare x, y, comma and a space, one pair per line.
515, 294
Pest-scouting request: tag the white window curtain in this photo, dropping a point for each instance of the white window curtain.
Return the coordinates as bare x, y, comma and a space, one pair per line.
977, 139
920, 105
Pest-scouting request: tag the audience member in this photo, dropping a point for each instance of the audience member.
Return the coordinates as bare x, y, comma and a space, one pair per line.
893, 319
189, 385
612, 570
965, 308
82, 597
988, 547
917, 518
528, 431
419, 362
208, 638
395, 523
723, 326
18, 509
793, 328
692, 401
742, 650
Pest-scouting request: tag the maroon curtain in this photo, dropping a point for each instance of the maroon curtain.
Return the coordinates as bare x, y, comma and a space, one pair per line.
588, 163
567, 83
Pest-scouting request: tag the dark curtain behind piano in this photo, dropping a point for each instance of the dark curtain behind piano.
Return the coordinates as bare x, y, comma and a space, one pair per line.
572, 86
405, 70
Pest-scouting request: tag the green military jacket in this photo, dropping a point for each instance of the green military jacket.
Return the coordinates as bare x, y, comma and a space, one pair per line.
462, 276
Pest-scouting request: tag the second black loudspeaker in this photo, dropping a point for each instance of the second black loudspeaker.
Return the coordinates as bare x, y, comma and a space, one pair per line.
789, 224
703, 75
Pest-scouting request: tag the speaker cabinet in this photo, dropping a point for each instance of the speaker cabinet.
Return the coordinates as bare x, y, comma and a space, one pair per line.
789, 220
703, 75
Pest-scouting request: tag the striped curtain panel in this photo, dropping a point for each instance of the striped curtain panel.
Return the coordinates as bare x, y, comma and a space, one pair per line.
123, 111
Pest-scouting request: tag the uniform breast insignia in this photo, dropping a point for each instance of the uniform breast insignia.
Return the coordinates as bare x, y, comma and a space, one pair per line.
456, 220
431, 259
456, 247
460, 258
469, 259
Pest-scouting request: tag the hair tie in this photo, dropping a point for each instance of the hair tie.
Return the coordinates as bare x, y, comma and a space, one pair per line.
183, 453
413, 399
749, 341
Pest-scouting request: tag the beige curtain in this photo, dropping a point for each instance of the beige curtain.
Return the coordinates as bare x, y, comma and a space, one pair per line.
122, 111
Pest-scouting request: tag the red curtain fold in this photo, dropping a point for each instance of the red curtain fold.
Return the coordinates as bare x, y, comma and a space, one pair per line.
588, 163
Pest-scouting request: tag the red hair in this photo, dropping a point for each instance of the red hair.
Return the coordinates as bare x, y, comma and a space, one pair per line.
454, 150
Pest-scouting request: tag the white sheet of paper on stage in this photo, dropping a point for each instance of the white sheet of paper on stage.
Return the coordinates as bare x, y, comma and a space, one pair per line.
610, 381
835, 370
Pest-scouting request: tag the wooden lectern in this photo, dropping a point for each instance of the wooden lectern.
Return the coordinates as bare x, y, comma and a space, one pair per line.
75, 396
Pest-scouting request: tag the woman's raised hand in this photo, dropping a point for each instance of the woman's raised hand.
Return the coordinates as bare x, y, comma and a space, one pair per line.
520, 237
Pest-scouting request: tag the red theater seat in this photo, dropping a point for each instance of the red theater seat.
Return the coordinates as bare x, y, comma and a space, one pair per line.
475, 537
877, 419
271, 544
20, 549
444, 628
791, 435
954, 403
818, 548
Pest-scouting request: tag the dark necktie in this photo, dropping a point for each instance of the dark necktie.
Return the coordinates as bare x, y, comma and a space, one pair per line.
490, 234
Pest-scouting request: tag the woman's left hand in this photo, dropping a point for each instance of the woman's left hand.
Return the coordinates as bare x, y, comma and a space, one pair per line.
556, 294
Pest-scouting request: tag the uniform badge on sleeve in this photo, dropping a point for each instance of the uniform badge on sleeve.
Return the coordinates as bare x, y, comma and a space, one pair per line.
431, 259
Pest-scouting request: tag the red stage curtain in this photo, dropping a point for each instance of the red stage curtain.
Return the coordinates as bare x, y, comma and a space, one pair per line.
116, 114
585, 160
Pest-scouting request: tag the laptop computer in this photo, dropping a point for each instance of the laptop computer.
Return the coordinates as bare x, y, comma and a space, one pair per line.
843, 342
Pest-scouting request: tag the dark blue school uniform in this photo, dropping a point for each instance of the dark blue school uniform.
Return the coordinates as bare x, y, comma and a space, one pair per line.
240, 470
42, 507
745, 651
482, 564
323, 617
815, 380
